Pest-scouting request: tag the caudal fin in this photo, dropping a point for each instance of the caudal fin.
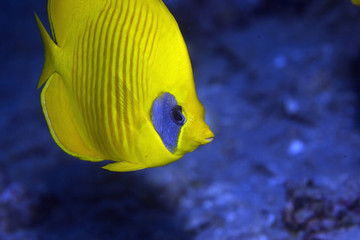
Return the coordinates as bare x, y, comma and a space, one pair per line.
50, 49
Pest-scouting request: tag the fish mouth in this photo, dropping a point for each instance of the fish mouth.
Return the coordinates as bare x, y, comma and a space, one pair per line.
206, 140
210, 139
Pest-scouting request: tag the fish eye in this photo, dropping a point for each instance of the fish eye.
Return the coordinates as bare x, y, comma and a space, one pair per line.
177, 116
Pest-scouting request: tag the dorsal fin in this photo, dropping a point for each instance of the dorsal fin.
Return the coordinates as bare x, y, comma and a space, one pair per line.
66, 16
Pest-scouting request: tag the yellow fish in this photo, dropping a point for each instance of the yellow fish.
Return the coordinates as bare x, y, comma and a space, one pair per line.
356, 2
119, 83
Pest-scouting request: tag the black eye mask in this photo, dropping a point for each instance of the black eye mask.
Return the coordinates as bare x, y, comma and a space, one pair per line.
168, 119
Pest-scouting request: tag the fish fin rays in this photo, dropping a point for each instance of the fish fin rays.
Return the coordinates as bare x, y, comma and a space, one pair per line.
62, 121
123, 166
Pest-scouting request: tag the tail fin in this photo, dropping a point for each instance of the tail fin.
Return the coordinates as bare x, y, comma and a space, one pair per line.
49, 47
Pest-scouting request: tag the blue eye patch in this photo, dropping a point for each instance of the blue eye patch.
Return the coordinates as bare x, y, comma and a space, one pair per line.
167, 119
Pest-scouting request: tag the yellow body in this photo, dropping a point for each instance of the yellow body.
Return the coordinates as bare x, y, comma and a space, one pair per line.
356, 2
107, 63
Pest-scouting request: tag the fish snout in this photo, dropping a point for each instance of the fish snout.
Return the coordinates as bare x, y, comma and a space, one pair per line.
194, 136
206, 136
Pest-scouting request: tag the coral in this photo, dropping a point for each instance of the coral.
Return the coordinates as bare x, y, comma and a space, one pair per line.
313, 210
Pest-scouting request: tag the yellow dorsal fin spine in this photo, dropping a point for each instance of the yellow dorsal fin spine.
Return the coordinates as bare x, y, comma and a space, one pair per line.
49, 49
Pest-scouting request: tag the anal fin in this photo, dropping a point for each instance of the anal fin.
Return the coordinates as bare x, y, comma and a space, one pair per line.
63, 122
